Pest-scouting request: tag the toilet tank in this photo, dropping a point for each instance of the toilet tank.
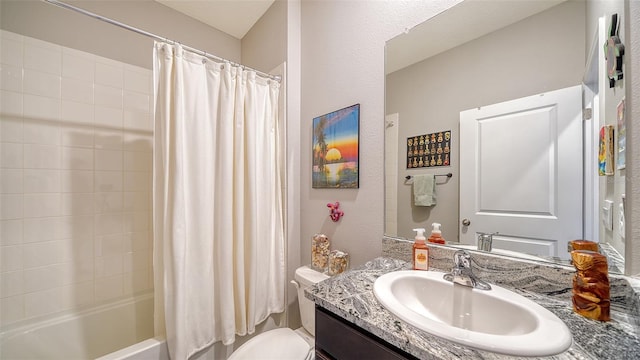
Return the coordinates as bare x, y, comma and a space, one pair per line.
305, 277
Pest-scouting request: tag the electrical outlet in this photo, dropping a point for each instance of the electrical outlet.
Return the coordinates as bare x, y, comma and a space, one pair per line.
621, 219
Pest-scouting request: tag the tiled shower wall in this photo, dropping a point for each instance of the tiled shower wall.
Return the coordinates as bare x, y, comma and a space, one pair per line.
75, 182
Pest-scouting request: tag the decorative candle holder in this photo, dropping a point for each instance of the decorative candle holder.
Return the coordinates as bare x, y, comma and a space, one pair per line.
319, 252
338, 262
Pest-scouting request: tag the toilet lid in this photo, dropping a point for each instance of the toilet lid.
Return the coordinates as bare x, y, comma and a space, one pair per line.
280, 344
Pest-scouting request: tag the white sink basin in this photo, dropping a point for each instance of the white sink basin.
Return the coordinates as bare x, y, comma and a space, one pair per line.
496, 320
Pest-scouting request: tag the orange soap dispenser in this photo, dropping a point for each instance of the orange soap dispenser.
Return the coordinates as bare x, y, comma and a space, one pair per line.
436, 234
420, 251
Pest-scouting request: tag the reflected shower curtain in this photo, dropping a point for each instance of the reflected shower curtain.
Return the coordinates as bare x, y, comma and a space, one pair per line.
218, 210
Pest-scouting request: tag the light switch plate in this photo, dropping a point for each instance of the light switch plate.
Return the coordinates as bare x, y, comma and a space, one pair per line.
607, 215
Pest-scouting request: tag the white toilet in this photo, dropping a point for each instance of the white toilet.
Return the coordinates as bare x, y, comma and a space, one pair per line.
284, 343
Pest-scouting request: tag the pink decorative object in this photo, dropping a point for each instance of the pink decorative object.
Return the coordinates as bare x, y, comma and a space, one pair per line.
334, 211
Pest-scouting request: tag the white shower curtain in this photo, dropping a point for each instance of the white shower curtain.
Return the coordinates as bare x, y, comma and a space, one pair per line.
218, 209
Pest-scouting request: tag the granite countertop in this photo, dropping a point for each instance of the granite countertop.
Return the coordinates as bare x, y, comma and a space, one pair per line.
350, 296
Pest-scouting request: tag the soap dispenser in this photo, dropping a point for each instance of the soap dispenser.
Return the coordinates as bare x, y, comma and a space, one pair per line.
420, 251
436, 234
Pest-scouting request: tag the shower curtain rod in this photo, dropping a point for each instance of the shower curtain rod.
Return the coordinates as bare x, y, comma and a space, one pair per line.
156, 37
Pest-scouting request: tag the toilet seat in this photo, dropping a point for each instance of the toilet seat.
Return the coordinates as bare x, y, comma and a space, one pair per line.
277, 344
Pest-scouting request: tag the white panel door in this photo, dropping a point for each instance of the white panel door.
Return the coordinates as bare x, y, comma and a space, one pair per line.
521, 172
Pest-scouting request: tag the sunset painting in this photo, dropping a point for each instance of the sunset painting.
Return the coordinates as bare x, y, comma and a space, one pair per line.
335, 149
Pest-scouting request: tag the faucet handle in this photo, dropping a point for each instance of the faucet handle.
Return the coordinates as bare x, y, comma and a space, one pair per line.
462, 259
462, 273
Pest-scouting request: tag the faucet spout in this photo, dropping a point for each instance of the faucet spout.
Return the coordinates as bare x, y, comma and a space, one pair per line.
485, 241
462, 274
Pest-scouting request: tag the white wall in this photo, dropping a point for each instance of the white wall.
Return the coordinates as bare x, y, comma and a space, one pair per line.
75, 177
343, 64
293, 97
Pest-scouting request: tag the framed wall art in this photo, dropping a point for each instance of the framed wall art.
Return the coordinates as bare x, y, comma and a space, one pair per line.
336, 149
429, 150
605, 155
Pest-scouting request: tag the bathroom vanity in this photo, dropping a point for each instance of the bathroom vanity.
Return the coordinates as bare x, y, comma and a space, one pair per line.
352, 324
339, 339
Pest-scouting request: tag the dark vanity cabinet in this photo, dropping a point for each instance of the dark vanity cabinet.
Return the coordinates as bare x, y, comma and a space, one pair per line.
339, 339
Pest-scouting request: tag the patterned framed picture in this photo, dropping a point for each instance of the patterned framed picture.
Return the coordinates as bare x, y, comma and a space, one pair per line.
429, 150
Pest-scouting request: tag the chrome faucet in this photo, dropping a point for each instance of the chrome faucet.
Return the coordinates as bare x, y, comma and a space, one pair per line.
462, 273
485, 241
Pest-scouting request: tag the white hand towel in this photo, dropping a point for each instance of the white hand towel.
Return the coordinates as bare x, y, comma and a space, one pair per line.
424, 190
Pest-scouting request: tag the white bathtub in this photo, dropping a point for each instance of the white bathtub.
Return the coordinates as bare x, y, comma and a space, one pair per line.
156, 348
150, 349
85, 335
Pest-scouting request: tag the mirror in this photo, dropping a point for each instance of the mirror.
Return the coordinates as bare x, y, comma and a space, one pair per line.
479, 53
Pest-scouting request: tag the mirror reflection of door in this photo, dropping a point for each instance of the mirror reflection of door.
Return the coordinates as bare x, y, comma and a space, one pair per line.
391, 123
521, 172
